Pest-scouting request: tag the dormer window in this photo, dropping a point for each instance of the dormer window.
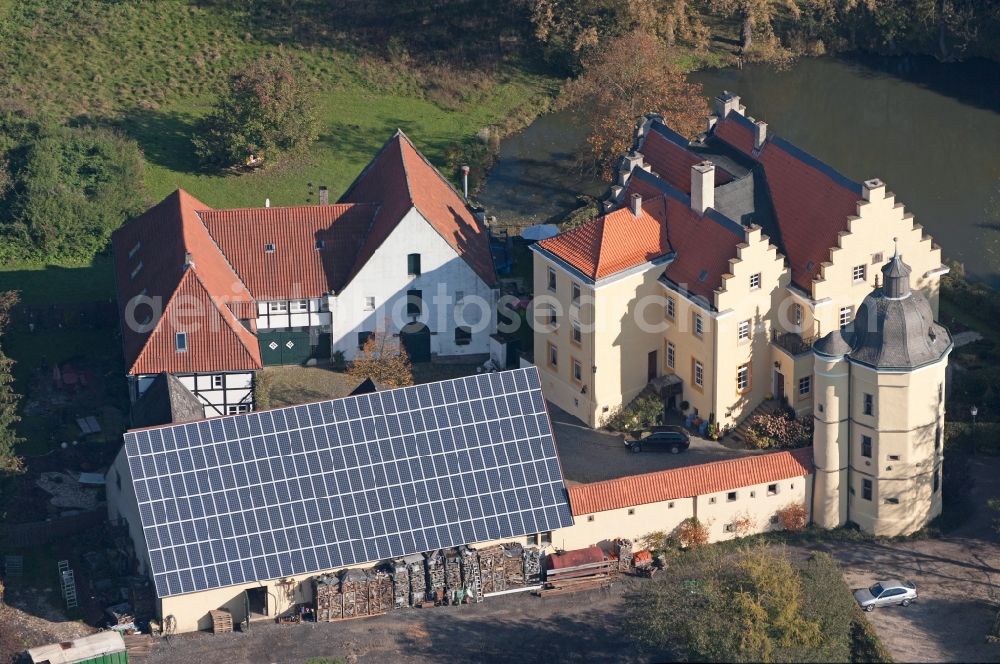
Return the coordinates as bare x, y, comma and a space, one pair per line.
268, 248
181, 342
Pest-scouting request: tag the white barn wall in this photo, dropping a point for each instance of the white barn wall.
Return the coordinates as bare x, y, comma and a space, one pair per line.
385, 278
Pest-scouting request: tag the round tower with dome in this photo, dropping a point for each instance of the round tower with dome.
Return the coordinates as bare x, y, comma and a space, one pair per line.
879, 412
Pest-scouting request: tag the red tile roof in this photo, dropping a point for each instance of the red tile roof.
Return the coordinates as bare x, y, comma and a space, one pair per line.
151, 253
296, 268
811, 201
400, 178
704, 245
613, 242
673, 161
690, 481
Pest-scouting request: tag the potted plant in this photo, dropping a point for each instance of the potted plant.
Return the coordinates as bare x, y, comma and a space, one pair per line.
713, 431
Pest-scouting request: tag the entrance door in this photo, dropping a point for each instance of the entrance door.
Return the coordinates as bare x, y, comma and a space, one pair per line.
284, 346
256, 601
416, 339
652, 365
779, 386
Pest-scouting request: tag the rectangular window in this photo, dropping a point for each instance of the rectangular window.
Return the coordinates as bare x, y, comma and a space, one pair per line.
893, 457
631, 511
743, 377
218, 382
413, 265
797, 314
577, 333
892, 501
546, 537
699, 325
729, 528
699, 374
774, 519
866, 489
866, 447
576, 294
236, 409
671, 308
414, 302
731, 497
269, 248
711, 501
859, 273
299, 306
755, 281
459, 298
590, 518
743, 330
671, 356
670, 505
181, 342
362, 338
369, 304
805, 385
550, 318
877, 258
577, 371
553, 356
772, 489
552, 279
869, 406
531, 540
463, 335
277, 307
846, 316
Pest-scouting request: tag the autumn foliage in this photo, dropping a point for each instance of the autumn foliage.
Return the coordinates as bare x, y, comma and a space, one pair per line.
793, 517
623, 81
692, 533
383, 359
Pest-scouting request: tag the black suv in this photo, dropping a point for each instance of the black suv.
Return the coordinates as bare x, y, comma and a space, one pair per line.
660, 439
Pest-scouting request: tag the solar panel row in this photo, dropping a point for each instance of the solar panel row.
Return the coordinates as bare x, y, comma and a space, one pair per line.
303, 489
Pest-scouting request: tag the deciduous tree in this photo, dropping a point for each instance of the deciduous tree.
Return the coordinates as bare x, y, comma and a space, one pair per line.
631, 76
264, 113
384, 360
10, 462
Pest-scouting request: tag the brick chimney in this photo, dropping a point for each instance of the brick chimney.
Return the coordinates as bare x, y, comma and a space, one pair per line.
759, 134
630, 162
727, 102
702, 186
324, 196
635, 204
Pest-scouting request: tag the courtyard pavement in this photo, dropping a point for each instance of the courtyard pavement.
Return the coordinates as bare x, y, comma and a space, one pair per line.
590, 455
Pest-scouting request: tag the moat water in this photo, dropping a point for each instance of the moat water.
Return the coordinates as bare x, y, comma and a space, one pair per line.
931, 131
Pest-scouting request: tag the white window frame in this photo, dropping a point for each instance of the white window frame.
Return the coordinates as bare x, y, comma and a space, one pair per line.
699, 374
671, 356
743, 330
552, 283
218, 382
576, 334
277, 307
238, 408
859, 273
699, 325
846, 316
805, 385
671, 308
743, 377
298, 306
575, 294
755, 281
181, 342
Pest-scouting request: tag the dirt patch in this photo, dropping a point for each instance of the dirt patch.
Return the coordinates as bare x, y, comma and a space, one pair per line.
20, 629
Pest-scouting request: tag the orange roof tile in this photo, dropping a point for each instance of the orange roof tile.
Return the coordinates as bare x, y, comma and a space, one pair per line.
400, 178
690, 481
613, 242
666, 153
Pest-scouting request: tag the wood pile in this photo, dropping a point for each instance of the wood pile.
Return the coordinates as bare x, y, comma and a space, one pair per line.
532, 566
513, 565
138, 645
453, 571
222, 621
623, 551
354, 589
400, 583
471, 573
434, 562
380, 595
492, 569
328, 600
418, 580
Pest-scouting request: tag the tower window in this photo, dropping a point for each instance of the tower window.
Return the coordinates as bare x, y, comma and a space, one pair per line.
846, 316
869, 405
866, 489
866, 447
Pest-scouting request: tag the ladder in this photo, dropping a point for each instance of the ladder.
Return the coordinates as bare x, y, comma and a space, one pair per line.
68, 583
13, 566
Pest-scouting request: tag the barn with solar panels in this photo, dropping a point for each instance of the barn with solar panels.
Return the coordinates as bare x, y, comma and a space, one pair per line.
245, 512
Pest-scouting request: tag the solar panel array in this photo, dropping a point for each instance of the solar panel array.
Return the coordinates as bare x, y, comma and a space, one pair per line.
297, 490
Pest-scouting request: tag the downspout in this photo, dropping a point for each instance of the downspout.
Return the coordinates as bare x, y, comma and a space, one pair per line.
850, 436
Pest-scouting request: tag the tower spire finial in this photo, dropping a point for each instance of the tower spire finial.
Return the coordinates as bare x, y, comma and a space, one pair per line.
895, 245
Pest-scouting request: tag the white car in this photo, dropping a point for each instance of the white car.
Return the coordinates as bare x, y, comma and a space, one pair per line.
884, 593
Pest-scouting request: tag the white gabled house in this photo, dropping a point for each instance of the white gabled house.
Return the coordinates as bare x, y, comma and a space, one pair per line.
212, 296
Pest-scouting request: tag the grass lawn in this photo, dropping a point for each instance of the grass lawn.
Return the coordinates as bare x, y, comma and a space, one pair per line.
60, 284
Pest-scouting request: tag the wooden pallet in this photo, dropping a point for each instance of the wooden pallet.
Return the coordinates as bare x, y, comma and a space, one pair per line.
222, 621
138, 645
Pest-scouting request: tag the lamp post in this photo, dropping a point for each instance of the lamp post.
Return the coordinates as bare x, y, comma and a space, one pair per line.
973, 411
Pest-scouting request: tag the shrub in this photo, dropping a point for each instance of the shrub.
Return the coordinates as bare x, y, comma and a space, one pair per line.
383, 359
793, 517
262, 381
778, 431
643, 411
744, 524
692, 533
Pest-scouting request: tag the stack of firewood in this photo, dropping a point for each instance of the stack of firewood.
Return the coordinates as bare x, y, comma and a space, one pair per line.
400, 583
380, 595
513, 565
471, 574
354, 588
328, 600
435, 574
623, 551
452, 570
418, 580
532, 566
492, 569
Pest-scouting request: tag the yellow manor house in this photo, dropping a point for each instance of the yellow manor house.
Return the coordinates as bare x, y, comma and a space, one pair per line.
717, 265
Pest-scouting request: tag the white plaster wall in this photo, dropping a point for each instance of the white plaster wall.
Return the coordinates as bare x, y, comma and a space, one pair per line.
288, 319
715, 510
238, 387
122, 504
384, 277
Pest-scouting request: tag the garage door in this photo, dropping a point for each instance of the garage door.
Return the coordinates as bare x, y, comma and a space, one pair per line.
416, 338
284, 346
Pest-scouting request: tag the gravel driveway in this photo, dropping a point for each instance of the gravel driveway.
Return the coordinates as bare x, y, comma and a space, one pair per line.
589, 455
